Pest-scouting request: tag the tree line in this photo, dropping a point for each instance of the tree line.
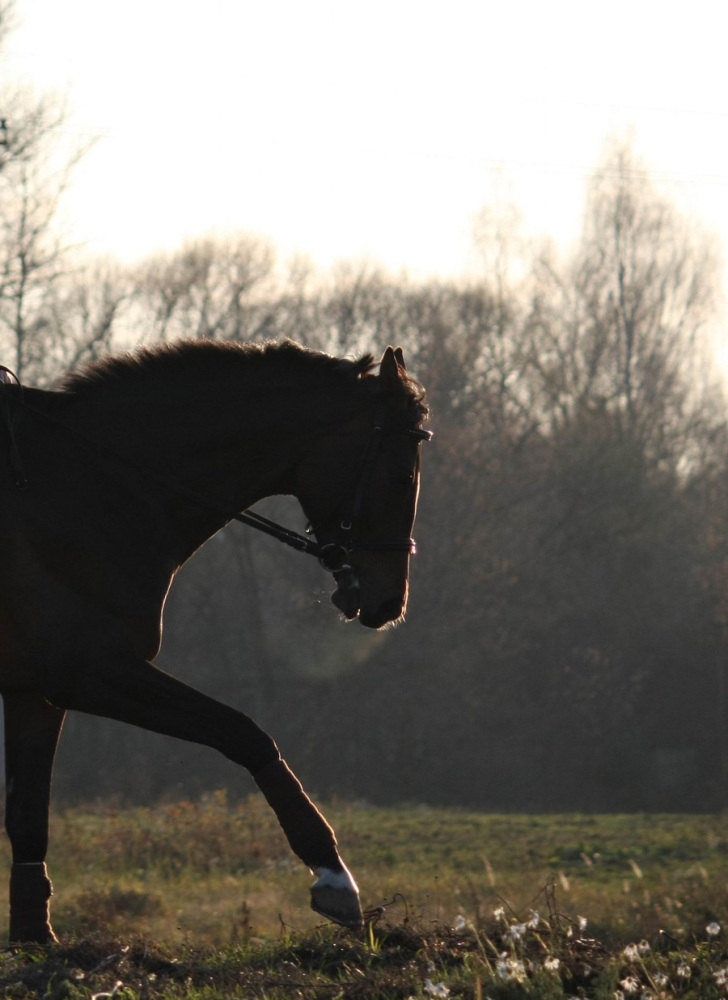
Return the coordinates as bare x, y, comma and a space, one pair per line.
566, 642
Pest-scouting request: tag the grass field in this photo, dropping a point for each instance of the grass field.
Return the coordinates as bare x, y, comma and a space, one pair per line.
204, 900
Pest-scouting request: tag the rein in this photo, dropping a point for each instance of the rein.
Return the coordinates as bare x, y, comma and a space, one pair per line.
334, 556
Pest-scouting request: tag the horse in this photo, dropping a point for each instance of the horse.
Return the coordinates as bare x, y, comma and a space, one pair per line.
111, 481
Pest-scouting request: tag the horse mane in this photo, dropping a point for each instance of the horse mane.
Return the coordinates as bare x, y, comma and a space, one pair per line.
189, 361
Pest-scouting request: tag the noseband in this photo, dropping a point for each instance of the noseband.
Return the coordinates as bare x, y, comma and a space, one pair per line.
335, 555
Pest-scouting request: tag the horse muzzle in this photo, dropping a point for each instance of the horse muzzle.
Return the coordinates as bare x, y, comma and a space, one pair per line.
348, 600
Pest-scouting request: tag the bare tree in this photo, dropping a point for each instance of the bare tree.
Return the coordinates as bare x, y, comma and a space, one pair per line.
86, 314
36, 168
203, 290
623, 325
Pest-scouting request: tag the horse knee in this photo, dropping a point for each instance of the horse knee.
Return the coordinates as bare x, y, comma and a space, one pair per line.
253, 749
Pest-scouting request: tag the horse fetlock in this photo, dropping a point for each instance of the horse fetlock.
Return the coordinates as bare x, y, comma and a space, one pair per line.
335, 895
30, 893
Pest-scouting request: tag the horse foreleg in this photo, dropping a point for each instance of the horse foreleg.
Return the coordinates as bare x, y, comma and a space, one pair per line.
138, 693
32, 728
335, 894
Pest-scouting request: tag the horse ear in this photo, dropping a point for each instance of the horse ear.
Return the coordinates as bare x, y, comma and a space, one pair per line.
389, 366
399, 357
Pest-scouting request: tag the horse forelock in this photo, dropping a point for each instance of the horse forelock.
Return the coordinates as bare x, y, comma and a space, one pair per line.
417, 399
409, 394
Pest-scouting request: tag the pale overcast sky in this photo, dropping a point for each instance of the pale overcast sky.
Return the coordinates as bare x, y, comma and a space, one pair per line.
378, 129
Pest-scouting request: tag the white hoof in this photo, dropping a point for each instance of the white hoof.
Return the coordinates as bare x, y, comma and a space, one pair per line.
335, 895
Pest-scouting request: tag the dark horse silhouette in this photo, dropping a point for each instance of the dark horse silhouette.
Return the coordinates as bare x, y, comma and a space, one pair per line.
110, 483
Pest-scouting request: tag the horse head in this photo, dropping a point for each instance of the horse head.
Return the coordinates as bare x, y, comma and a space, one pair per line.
363, 520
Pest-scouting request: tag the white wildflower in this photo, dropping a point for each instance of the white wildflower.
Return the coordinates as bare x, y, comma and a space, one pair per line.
721, 977
630, 984
515, 932
661, 979
534, 920
499, 913
460, 923
713, 929
518, 970
436, 989
631, 952
552, 964
684, 971
582, 921
510, 968
643, 947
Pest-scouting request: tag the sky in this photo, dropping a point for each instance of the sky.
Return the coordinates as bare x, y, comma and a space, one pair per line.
371, 131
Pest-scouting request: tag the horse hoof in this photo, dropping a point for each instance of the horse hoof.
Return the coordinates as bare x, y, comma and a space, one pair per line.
335, 896
36, 935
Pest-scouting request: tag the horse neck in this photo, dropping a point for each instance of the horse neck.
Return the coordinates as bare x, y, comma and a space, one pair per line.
227, 445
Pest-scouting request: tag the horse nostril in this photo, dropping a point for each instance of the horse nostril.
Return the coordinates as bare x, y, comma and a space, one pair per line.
347, 601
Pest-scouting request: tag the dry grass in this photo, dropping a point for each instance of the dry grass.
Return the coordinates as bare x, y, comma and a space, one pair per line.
203, 900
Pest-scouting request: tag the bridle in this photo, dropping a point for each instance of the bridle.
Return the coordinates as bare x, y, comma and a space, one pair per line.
335, 555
